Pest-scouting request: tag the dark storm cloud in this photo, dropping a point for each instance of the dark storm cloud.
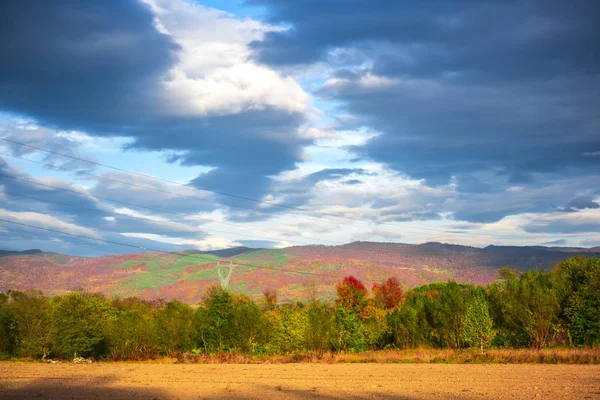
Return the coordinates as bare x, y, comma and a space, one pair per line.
459, 87
582, 202
295, 193
71, 63
332, 173
559, 242
437, 36
98, 67
563, 226
579, 203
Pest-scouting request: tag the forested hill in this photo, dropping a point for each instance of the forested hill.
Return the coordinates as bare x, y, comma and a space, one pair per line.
313, 270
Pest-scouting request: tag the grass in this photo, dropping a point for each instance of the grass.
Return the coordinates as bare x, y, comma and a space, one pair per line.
264, 257
414, 356
161, 272
587, 355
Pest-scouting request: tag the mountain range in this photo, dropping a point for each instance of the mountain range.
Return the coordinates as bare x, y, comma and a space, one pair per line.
296, 273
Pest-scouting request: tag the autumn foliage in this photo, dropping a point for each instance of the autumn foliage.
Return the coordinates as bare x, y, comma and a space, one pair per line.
388, 295
534, 309
351, 293
270, 298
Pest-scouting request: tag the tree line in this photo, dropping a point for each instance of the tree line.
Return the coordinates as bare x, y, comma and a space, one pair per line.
531, 309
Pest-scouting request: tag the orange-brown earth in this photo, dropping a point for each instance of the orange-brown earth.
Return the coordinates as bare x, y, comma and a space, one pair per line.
298, 381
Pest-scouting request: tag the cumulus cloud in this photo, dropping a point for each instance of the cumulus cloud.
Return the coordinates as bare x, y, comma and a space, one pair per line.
58, 200
483, 97
45, 221
36, 137
171, 74
580, 222
214, 74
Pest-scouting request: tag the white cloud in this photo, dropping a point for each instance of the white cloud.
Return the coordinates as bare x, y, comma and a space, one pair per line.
215, 74
45, 221
583, 221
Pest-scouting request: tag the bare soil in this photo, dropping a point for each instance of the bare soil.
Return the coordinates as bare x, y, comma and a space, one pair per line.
298, 381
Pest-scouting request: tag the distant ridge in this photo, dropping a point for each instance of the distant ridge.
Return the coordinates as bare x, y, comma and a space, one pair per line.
289, 271
27, 252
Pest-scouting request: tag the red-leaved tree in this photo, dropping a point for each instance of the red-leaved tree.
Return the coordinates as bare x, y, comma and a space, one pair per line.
352, 293
389, 294
270, 298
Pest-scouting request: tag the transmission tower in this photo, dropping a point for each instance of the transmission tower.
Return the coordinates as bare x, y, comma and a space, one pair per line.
225, 279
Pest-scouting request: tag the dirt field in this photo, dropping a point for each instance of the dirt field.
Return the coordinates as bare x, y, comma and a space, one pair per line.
298, 381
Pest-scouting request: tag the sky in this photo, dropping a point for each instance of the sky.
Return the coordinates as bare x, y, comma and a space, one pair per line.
137, 125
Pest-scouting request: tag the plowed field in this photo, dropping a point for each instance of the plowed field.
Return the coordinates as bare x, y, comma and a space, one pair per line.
298, 381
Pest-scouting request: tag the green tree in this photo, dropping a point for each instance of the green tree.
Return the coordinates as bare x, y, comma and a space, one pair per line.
175, 324
7, 327
578, 286
525, 308
478, 326
130, 336
348, 334
34, 325
214, 321
318, 327
250, 324
78, 323
286, 329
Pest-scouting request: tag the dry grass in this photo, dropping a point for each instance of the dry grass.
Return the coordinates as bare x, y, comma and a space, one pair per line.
423, 355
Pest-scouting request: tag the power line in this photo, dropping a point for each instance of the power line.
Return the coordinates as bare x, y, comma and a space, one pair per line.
128, 204
366, 246
78, 245
235, 206
160, 251
301, 209
132, 216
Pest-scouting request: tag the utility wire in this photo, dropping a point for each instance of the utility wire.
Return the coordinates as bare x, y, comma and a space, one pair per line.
78, 244
365, 246
406, 227
301, 209
248, 265
158, 222
128, 204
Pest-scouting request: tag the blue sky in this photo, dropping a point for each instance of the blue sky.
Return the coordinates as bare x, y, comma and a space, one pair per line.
462, 122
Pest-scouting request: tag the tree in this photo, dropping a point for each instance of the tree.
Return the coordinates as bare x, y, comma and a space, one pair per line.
270, 299
78, 323
131, 336
525, 307
34, 325
175, 325
478, 326
318, 328
347, 332
215, 320
578, 286
249, 323
389, 294
7, 327
351, 294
